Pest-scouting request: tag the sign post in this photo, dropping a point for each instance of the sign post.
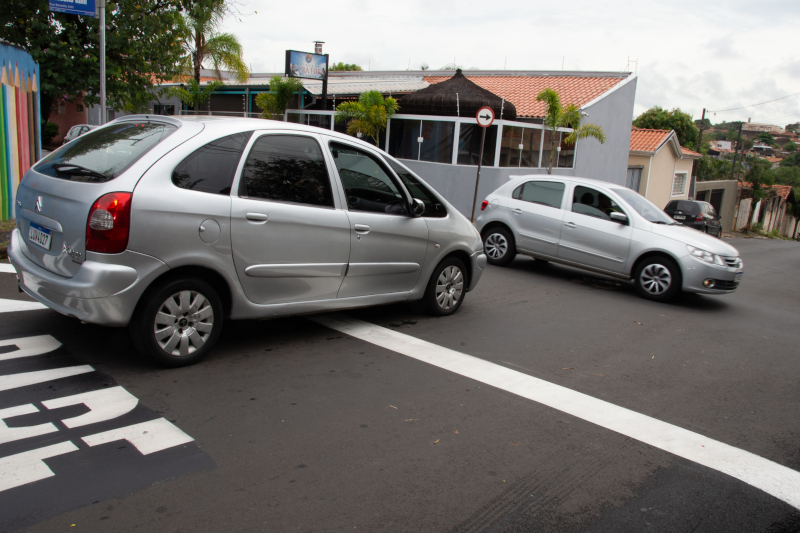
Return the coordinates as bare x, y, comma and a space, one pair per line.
309, 66
87, 8
485, 117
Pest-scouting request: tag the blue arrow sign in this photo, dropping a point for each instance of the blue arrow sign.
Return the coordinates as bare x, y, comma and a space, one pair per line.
74, 7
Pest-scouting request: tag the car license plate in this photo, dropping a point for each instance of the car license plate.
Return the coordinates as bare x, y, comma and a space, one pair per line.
679, 217
40, 235
738, 277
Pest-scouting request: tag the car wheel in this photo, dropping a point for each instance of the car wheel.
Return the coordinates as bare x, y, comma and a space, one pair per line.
658, 279
446, 288
177, 322
499, 247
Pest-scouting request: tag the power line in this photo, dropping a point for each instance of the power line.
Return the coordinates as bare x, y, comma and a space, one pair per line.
753, 105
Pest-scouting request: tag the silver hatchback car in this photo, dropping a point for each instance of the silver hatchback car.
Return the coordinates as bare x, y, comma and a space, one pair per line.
169, 225
608, 229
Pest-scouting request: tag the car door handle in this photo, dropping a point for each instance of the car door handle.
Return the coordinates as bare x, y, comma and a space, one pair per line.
517, 211
570, 225
257, 217
363, 229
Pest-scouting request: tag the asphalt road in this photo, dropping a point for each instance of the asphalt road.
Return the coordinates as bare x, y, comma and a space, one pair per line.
298, 427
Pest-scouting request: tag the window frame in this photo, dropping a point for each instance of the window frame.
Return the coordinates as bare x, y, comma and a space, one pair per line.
238, 180
620, 203
685, 176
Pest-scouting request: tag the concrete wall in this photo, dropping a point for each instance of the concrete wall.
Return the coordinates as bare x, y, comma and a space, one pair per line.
608, 161
730, 196
656, 184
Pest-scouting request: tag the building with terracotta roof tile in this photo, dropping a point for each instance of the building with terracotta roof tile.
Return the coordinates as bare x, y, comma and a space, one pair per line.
659, 168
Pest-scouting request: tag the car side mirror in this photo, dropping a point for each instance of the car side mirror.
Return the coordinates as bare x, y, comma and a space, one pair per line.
417, 207
622, 218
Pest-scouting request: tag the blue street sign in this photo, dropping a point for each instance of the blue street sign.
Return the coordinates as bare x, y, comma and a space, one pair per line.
75, 7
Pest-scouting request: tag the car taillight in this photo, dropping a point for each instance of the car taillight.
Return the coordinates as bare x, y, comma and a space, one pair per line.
109, 223
484, 204
698, 218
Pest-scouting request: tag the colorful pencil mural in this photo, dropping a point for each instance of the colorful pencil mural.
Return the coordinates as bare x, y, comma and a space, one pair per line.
20, 140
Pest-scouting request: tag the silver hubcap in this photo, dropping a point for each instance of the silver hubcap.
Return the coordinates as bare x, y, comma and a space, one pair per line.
449, 287
655, 279
496, 246
183, 323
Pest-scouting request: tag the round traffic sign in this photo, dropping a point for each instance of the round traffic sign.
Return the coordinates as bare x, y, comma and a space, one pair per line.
485, 116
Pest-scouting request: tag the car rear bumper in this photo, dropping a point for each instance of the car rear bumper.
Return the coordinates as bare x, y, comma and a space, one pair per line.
99, 293
478, 264
696, 272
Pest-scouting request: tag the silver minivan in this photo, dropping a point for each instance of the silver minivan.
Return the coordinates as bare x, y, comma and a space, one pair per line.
605, 228
169, 225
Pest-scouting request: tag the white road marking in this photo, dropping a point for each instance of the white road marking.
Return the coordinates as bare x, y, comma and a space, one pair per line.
8, 434
777, 480
29, 346
147, 437
7, 268
27, 467
105, 404
13, 381
12, 306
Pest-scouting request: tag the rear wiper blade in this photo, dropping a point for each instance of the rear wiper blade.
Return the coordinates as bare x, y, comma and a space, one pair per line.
69, 168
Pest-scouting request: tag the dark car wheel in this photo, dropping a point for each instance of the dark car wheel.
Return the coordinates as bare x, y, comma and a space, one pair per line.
177, 322
499, 246
657, 278
446, 288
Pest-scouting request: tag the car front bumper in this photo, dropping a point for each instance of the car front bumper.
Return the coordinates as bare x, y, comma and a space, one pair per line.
696, 272
99, 293
477, 263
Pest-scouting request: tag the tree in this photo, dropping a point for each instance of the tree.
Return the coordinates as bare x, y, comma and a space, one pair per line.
424, 66
142, 49
657, 118
766, 138
194, 95
713, 169
368, 115
790, 147
344, 67
792, 161
451, 66
280, 95
761, 180
787, 176
569, 116
206, 44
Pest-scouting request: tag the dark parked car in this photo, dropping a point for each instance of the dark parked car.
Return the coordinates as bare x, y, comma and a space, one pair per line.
698, 215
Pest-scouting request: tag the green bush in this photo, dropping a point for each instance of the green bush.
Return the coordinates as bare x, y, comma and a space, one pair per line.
757, 227
49, 131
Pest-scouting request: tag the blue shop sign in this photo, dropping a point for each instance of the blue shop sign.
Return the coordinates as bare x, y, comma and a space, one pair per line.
75, 7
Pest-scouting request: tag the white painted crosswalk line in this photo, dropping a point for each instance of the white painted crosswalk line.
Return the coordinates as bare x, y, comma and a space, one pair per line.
27, 467
777, 480
147, 437
104, 404
12, 306
29, 346
7, 268
8, 434
13, 381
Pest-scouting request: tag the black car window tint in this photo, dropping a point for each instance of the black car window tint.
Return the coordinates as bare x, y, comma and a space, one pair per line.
544, 193
286, 168
433, 207
367, 183
593, 203
517, 192
211, 168
671, 206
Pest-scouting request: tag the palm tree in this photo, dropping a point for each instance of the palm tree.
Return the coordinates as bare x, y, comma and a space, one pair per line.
194, 95
368, 115
568, 116
205, 43
281, 92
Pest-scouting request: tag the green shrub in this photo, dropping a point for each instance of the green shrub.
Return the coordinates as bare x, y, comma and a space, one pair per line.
49, 131
757, 227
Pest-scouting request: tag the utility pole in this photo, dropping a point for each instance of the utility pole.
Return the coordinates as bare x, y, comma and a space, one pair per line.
696, 164
103, 114
738, 146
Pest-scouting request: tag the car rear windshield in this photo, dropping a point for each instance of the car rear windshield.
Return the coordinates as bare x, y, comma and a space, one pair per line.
103, 154
690, 208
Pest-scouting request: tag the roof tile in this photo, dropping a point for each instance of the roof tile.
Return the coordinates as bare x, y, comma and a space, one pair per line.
645, 140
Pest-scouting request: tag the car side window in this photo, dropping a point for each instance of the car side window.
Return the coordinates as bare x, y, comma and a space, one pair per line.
367, 183
211, 168
671, 206
286, 168
591, 202
433, 207
547, 193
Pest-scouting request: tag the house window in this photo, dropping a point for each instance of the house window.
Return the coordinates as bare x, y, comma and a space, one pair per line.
634, 178
679, 184
62, 109
423, 140
519, 147
79, 108
469, 145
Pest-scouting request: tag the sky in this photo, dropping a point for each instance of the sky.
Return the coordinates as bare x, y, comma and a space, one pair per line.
687, 54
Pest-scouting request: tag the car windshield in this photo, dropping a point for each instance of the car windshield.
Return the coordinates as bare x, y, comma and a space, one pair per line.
644, 207
103, 154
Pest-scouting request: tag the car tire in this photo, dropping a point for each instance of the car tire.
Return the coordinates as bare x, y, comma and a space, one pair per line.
657, 278
190, 309
499, 246
446, 288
